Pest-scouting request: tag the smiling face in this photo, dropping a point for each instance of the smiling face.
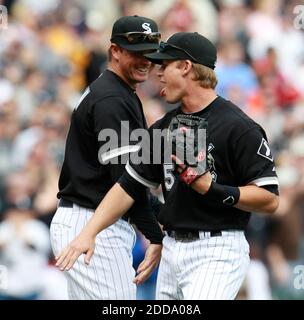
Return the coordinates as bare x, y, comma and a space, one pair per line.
132, 67
172, 78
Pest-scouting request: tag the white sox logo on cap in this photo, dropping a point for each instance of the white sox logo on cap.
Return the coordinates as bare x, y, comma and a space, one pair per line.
146, 26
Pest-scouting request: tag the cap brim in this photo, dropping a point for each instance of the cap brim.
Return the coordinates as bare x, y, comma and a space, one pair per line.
139, 46
159, 57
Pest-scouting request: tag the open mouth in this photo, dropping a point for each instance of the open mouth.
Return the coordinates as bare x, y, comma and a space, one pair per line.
143, 70
162, 92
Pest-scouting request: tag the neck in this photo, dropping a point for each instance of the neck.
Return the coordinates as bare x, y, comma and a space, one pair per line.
112, 67
197, 99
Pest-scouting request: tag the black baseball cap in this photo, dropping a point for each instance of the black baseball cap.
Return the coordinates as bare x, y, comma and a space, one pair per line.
136, 33
186, 46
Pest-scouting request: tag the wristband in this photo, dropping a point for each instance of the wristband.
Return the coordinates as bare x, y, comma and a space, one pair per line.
222, 194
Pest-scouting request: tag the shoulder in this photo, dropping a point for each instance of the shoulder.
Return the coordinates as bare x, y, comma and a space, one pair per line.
235, 117
107, 85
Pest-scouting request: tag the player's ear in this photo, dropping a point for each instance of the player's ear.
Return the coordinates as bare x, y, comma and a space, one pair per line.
186, 66
115, 51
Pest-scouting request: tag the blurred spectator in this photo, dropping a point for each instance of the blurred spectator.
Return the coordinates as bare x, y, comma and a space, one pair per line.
237, 80
24, 251
271, 78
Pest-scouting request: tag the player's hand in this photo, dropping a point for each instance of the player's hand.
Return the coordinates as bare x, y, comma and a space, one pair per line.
147, 266
201, 184
82, 244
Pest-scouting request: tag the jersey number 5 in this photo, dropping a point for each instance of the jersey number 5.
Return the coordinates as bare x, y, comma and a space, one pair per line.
169, 176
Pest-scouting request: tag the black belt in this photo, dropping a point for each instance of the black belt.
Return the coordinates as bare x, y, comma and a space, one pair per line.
63, 203
190, 235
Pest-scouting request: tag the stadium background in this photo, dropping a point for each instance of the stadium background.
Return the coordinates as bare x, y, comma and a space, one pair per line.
51, 50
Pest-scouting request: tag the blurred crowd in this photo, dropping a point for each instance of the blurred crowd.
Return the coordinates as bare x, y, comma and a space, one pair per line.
53, 49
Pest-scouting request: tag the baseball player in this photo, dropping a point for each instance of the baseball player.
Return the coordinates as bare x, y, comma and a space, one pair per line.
207, 206
92, 166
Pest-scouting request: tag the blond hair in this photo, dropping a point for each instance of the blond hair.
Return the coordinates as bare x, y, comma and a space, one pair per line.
206, 76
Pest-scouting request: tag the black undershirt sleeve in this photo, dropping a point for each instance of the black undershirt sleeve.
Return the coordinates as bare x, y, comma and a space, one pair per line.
132, 187
273, 188
144, 217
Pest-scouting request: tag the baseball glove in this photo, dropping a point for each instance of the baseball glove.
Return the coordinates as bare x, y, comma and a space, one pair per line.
187, 137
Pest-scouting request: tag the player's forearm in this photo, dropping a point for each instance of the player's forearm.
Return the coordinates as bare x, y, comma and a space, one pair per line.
256, 199
248, 198
113, 206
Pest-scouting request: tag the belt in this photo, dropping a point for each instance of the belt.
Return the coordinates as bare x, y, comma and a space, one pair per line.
190, 235
63, 203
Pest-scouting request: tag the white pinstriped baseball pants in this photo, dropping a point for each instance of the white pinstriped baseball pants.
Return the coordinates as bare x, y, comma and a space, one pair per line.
210, 268
110, 273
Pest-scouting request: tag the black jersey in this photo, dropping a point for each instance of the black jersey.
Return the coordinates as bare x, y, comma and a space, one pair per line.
87, 173
106, 103
241, 155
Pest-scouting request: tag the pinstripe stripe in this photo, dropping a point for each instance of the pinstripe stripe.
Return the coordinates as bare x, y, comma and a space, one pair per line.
162, 272
176, 294
198, 274
229, 276
241, 267
173, 271
70, 279
190, 266
102, 268
166, 283
89, 274
191, 253
240, 260
235, 283
77, 270
119, 283
209, 262
198, 259
201, 244
244, 263
215, 270
222, 257
93, 263
68, 210
124, 238
179, 269
125, 258
109, 265
167, 271
180, 263
103, 264
178, 248
121, 266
